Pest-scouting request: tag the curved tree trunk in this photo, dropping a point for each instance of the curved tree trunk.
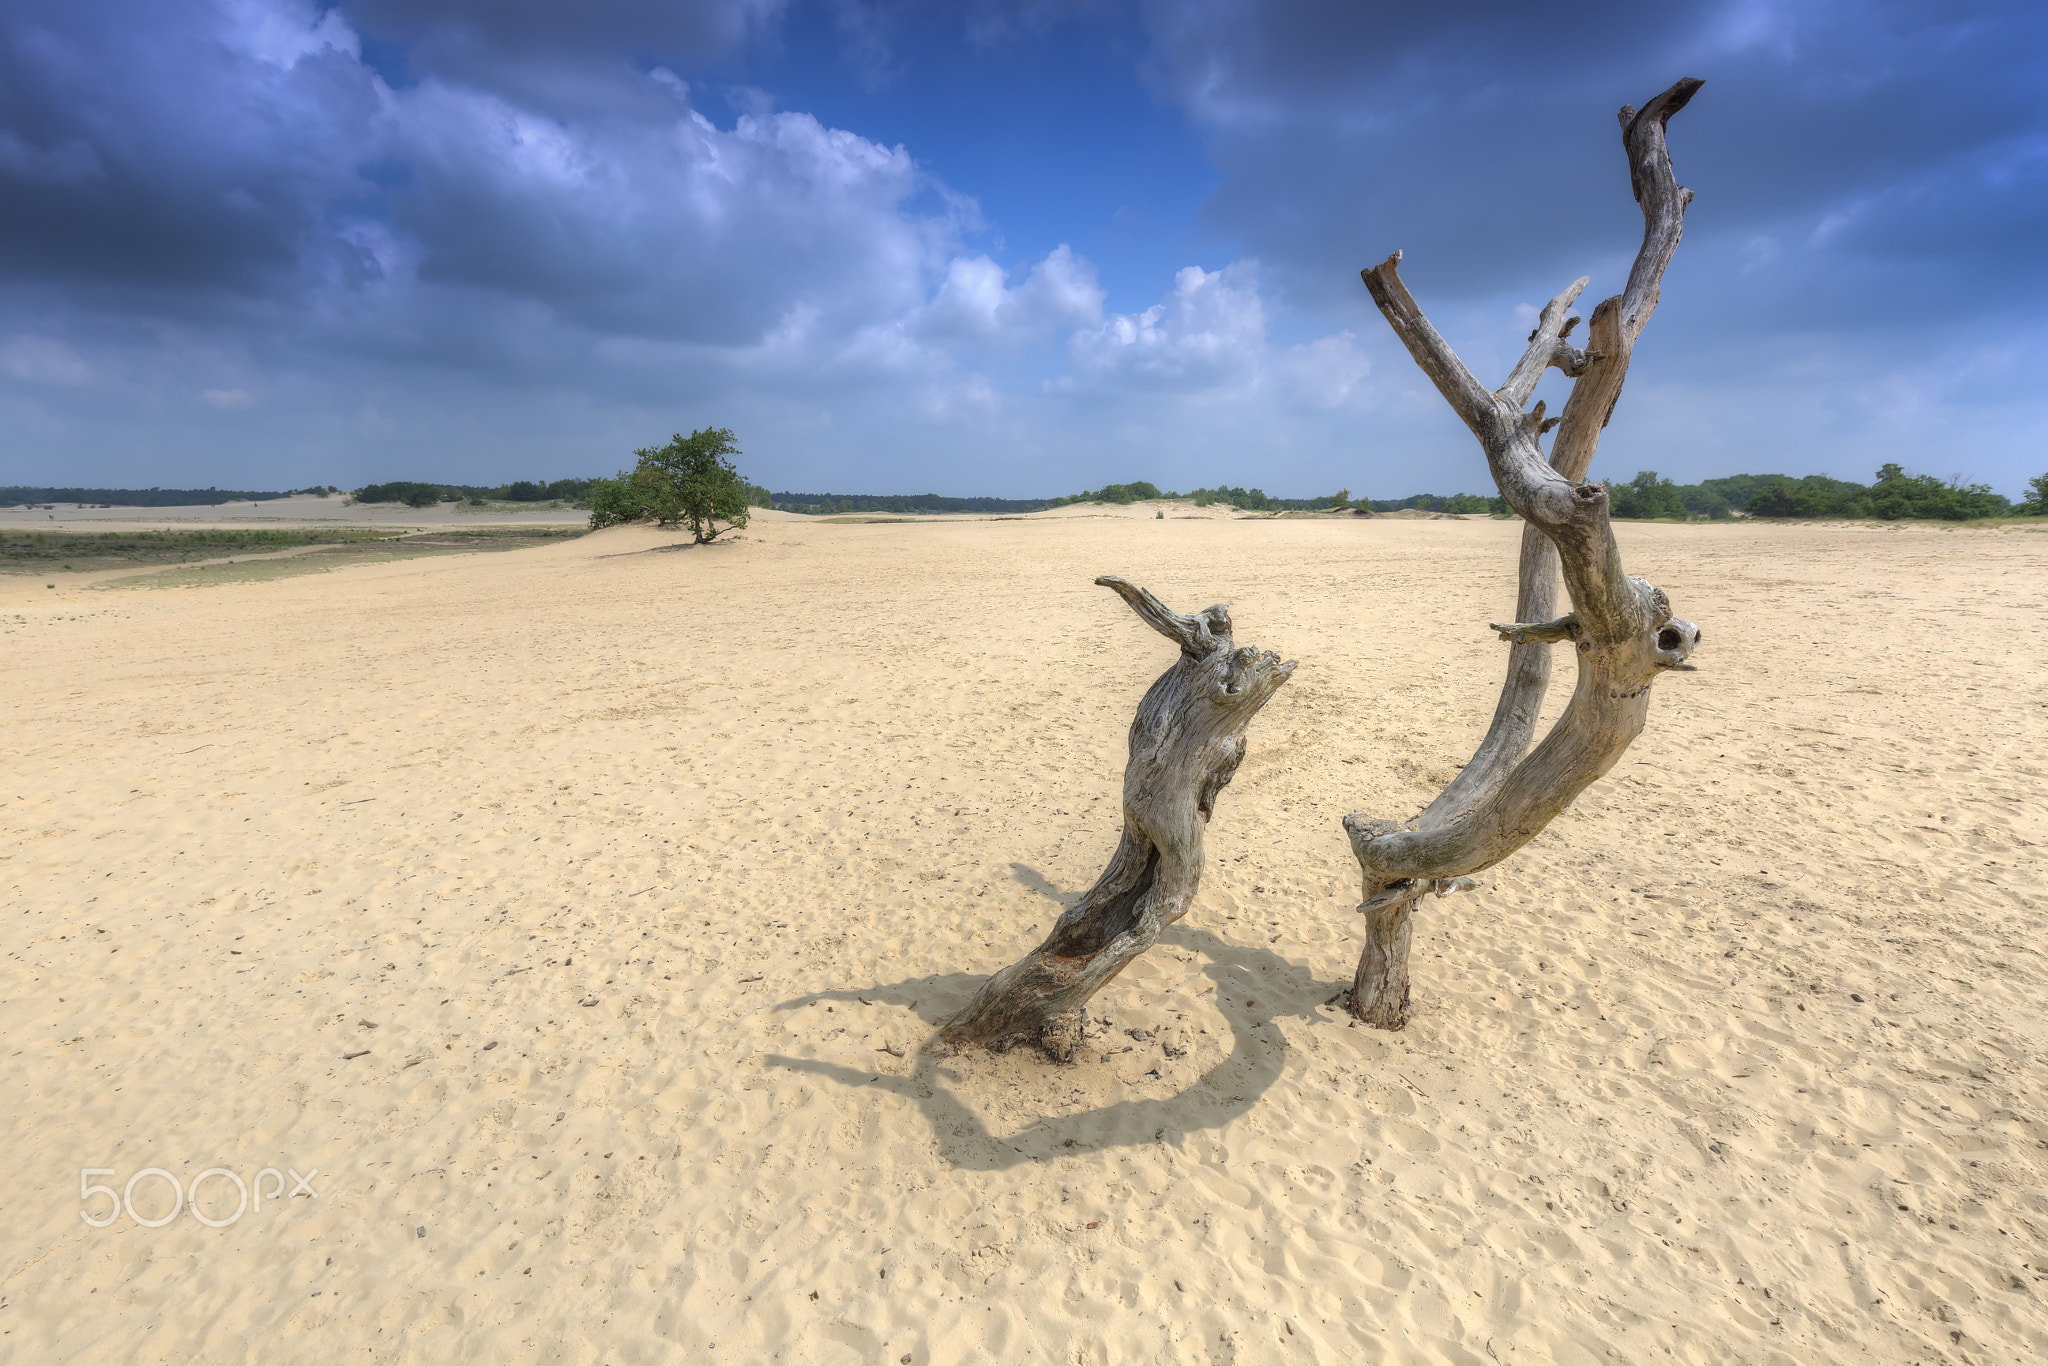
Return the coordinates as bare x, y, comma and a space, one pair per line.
1622, 630
1185, 744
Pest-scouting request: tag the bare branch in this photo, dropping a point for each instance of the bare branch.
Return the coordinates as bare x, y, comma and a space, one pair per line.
1564, 628
1467, 397
1546, 348
1619, 321
1662, 198
1200, 634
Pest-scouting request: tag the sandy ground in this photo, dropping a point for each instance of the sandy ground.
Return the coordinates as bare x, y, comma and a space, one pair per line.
558, 911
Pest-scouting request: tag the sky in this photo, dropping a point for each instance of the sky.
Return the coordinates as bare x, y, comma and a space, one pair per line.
1015, 250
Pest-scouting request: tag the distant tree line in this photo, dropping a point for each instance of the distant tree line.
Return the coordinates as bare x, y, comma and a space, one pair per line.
817, 504
420, 495
1450, 502
14, 496
1897, 495
1258, 500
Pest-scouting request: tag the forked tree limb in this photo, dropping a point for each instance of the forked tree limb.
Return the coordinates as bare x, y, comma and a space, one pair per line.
1185, 744
1618, 321
1621, 628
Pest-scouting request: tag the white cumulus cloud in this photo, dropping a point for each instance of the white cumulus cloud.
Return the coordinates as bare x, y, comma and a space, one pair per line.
1209, 333
976, 300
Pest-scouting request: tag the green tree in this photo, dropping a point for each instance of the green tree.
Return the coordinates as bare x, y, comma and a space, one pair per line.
2037, 499
1899, 494
1645, 496
1703, 502
689, 482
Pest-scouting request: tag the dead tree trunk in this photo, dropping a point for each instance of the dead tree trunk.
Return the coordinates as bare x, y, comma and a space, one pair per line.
1185, 744
1621, 628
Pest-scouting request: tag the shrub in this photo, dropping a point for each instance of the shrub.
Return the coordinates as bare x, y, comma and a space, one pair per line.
1899, 494
631, 497
1136, 492
688, 481
413, 495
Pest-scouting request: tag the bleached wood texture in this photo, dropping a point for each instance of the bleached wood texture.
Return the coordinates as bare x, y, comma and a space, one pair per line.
1185, 744
1621, 628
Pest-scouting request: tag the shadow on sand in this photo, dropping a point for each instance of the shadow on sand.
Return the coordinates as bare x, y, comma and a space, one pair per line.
1253, 989
671, 548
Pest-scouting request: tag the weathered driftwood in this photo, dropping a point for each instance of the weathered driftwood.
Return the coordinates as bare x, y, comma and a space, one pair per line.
1621, 628
1186, 743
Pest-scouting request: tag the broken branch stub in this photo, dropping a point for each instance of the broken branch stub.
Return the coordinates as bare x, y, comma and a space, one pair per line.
1185, 744
1621, 628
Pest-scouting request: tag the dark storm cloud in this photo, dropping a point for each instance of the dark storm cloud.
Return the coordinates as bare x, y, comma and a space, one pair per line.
136, 146
1484, 135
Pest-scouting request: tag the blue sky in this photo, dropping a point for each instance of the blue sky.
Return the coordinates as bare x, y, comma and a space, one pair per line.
1011, 249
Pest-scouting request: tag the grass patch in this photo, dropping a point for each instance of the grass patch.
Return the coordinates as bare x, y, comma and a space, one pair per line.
320, 556
37, 552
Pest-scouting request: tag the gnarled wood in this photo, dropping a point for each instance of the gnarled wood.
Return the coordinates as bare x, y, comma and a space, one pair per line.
1621, 628
1185, 744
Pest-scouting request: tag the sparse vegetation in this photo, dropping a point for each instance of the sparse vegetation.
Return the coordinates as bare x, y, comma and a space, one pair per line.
29, 551
365, 548
23, 552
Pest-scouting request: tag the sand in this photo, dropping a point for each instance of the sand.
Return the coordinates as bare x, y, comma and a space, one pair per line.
566, 911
